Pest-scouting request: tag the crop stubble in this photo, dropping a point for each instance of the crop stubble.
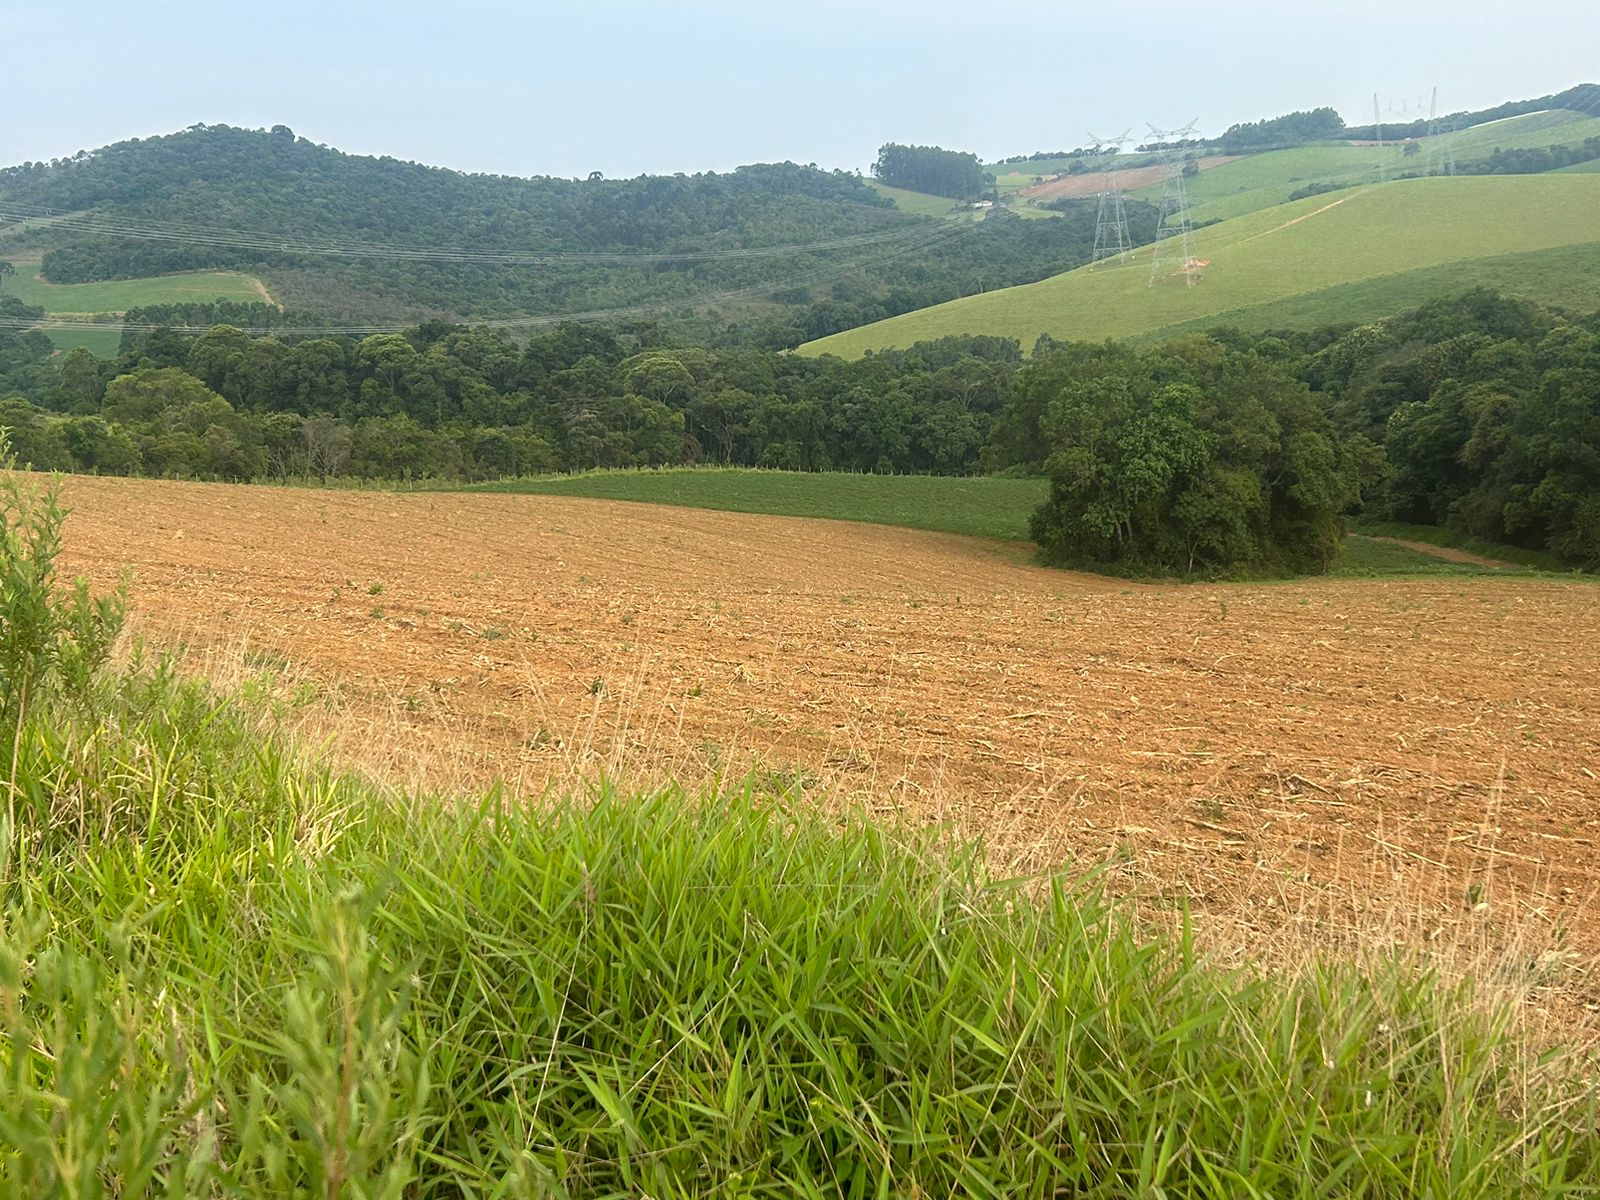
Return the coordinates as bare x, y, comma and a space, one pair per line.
1337, 752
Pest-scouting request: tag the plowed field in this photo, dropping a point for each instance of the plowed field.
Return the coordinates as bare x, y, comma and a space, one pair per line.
1129, 180
1422, 754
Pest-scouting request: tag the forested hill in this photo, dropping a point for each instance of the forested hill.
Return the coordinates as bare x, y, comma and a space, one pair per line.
375, 238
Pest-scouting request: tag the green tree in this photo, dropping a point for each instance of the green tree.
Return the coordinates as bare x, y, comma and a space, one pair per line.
34, 439
146, 393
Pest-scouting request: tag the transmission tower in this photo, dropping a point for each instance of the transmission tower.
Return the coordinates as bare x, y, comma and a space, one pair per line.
1111, 237
1377, 130
1441, 146
1174, 246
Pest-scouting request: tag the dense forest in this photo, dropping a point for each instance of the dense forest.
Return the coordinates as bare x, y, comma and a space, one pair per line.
357, 239
1292, 129
1209, 454
932, 169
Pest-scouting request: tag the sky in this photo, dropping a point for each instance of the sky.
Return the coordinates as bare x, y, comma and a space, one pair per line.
628, 88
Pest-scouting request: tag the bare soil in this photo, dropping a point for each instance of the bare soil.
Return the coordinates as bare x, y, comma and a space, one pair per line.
1448, 553
1130, 180
1414, 756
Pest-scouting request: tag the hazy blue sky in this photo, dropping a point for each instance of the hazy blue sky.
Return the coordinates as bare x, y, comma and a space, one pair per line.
626, 87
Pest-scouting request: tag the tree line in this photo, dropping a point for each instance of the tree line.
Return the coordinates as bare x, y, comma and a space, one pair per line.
1219, 453
1291, 129
932, 169
455, 403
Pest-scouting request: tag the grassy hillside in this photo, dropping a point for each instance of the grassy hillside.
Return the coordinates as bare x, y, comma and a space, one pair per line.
1264, 180
1556, 127
917, 204
1563, 278
114, 297
979, 505
119, 295
1267, 257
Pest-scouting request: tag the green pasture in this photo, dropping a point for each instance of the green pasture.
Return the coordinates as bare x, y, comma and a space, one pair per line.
985, 506
116, 296
1265, 180
103, 341
119, 295
1260, 181
1363, 557
1269, 257
1557, 127
919, 204
1563, 277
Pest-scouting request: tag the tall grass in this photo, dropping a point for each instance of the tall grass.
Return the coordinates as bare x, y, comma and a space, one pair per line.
229, 969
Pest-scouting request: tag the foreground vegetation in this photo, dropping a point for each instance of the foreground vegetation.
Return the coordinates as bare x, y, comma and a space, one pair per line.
226, 969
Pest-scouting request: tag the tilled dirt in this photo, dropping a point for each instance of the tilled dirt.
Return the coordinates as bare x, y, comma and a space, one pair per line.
1129, 180
1410, 755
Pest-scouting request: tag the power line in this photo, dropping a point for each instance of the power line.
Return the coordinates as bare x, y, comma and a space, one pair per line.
1111, 239
1174, 232
944, 233
195, 235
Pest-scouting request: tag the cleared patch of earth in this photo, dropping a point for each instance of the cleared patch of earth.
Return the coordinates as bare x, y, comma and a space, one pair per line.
1447, 553
1130, 180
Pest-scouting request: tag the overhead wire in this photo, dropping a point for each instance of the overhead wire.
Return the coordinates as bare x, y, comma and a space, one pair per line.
195, 235
927, 239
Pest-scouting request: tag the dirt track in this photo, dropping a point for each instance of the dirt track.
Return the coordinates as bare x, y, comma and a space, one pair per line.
1357, 749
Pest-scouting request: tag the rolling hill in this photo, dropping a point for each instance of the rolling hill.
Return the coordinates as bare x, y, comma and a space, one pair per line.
1266, 264
1264, 180
765, 255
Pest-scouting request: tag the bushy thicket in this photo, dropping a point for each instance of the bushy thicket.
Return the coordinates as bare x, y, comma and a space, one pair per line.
1532, 161
1190, 459
227, 970
1480, 413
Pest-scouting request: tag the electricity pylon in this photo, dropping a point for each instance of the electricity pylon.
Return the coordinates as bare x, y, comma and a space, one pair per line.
1377, 129
1111, 237
1441, 146
1174, 233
